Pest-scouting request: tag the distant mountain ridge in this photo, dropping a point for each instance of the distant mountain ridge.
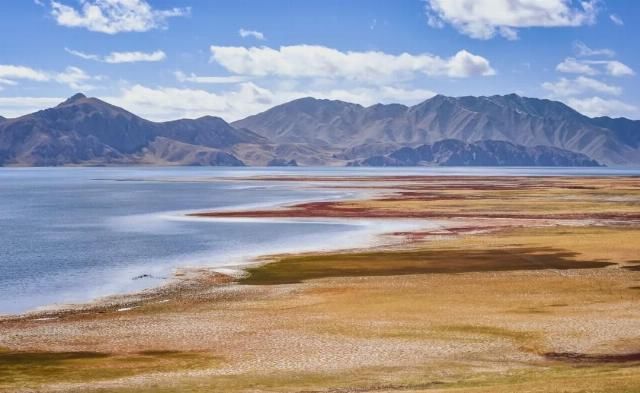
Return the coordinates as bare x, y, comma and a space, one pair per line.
496, 130
453, 152
519, 120
84, 130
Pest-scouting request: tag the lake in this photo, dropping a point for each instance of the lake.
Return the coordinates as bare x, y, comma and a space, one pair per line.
71, 235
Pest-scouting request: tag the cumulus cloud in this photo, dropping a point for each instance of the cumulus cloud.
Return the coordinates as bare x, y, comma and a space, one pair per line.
311, 61
582, 50
113, 16
593, 67
121, 57
616, 19
18, 106
572, 87
251, 33
584, 93
73, 77
367, 96
615, 68
8, 82
244, 99
166, 103
193, 78
134, 57
597, 106
572, 66
484, 19
9, 73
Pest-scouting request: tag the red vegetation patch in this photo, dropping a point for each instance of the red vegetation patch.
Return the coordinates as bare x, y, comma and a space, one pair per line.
573, 357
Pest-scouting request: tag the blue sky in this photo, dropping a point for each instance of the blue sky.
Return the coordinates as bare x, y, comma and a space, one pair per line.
166, 59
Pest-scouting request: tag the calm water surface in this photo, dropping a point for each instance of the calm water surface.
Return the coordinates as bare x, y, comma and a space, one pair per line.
75, 234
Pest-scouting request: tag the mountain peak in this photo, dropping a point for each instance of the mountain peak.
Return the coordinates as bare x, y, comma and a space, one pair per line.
73, 99
210, 118
315, 101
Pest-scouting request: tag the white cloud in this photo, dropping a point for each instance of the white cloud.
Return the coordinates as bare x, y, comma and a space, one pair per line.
11, 72
75, 78
251, 33
8, 82
582, 50
572, 66
586, 67
567, 87
367, 96
597, 106
113, 16
616, 68
193, 78
121, 57
583, 93
310, 61
18, 106
83, 55
483, 19
134, 57
616, 19
509, 33
167, 103
464, 64
613, 67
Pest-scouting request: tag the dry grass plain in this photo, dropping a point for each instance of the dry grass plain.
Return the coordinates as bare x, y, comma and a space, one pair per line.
532, 285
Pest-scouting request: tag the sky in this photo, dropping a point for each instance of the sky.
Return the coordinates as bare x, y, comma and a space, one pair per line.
169, 59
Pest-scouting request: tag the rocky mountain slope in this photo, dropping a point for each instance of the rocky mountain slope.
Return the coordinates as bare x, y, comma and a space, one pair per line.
519, 120
85, 130
497, 130
453, 152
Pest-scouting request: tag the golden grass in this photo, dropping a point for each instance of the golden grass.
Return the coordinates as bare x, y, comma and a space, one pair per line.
526, 309
548, 197
542, 197
32, 369
598, 379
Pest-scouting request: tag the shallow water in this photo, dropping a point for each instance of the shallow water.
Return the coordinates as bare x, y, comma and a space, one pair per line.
74, 234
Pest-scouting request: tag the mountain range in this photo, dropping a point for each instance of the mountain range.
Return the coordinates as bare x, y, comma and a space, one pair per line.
496, 130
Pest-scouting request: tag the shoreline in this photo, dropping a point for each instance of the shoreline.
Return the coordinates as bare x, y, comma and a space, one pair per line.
239, 260
191, 279
322, 210
485, 304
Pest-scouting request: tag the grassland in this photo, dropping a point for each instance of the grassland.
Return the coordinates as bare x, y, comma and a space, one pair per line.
508, 295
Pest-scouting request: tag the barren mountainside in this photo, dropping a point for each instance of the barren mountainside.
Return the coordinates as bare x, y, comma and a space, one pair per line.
519, 120
85, 130
453, 152
496, 130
